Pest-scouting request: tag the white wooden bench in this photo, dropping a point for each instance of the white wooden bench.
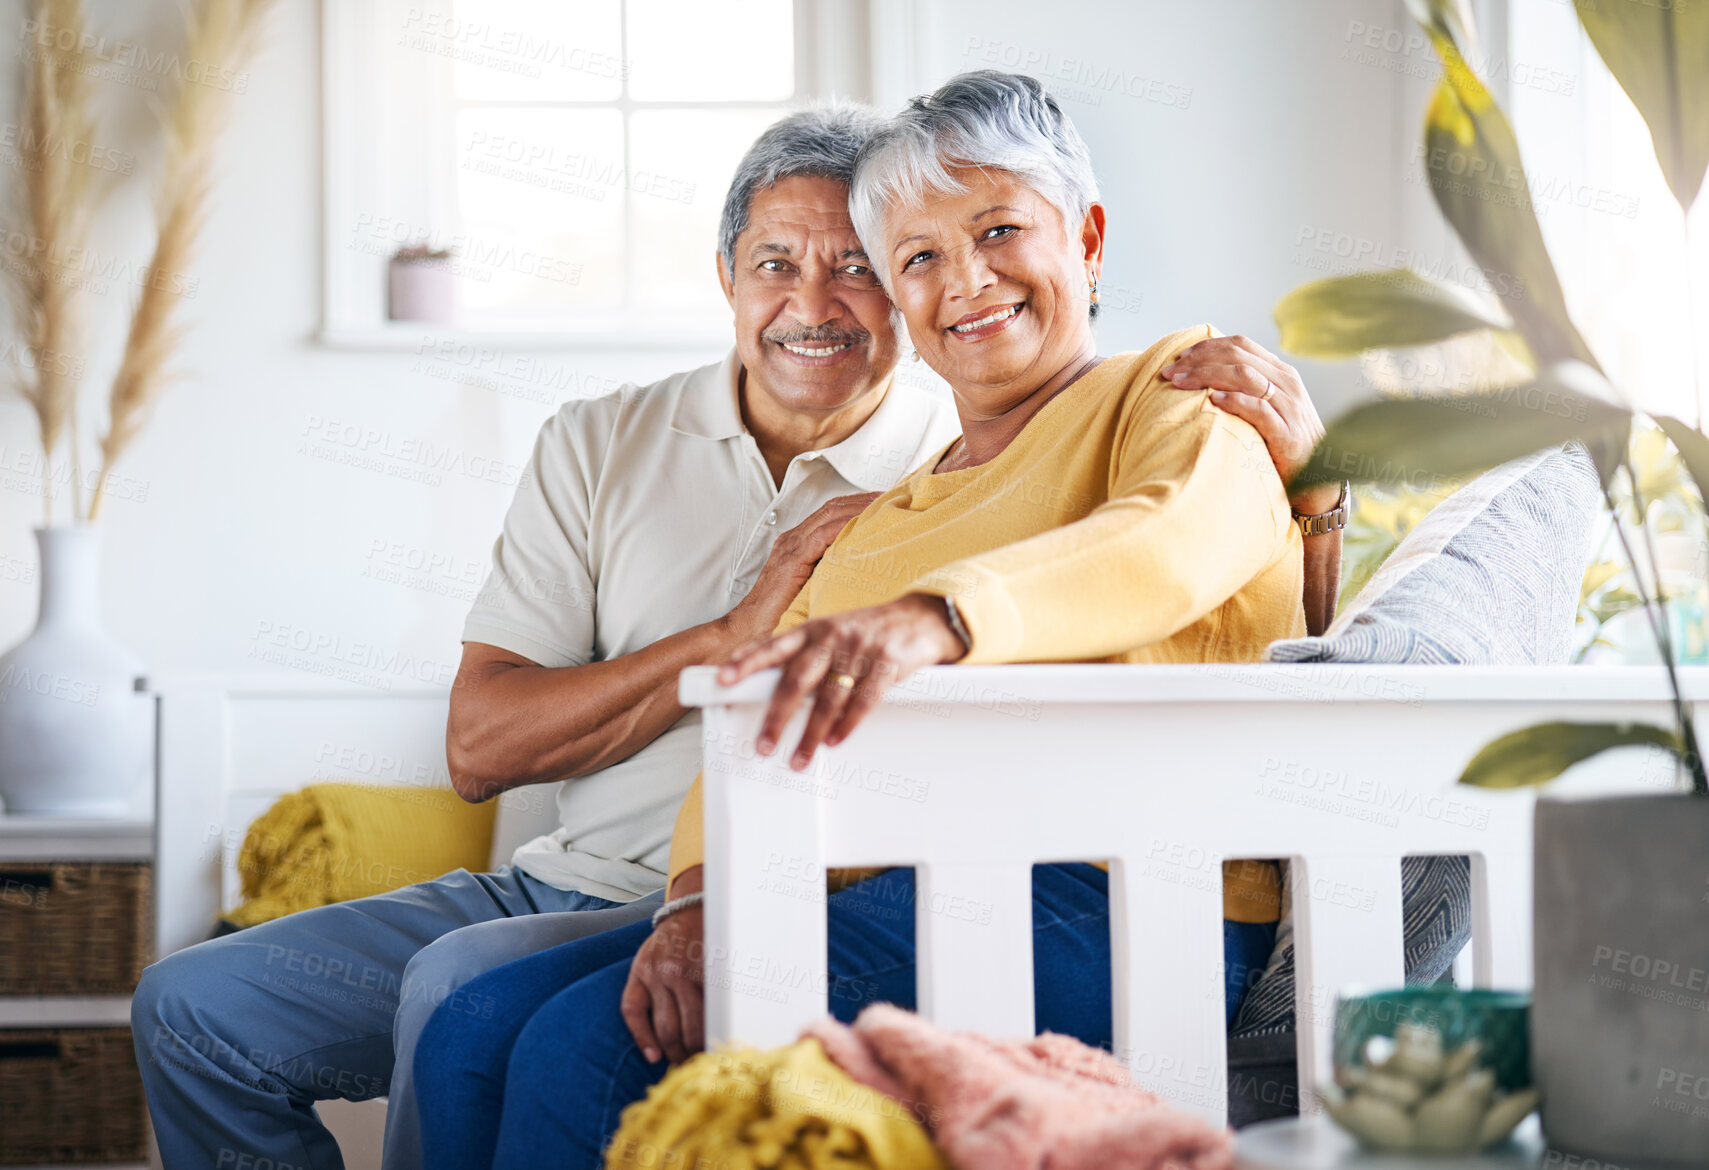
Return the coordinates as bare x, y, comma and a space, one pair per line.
232, 744
975, 774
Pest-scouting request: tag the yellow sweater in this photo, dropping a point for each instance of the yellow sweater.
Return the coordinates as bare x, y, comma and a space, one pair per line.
1127, 522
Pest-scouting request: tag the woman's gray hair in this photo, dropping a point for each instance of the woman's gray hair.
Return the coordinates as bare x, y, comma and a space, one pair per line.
989, 119
822, 141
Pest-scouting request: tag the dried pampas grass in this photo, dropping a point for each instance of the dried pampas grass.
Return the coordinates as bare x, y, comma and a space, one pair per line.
55, 199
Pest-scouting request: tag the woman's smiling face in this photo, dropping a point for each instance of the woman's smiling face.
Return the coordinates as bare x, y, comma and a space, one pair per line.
993, 284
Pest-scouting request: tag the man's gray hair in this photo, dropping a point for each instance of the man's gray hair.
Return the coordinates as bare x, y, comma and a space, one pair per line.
822, 141
989, 119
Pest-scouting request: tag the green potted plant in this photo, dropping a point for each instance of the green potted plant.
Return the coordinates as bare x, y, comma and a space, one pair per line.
1621, 1003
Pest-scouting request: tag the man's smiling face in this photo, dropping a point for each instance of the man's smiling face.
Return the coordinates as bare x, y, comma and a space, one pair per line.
813, 325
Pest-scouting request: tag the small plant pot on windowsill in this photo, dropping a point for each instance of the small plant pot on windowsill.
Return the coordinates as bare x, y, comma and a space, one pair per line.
421, 287
1620, 1015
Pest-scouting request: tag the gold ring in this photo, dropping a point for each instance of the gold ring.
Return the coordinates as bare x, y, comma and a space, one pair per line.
1269, 389
846, 681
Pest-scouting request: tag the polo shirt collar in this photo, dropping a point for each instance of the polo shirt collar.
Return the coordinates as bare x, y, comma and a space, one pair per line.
886, 444
868, 458
707, 407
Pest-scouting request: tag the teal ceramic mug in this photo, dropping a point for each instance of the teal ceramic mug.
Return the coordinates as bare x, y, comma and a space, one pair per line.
1500, 1020
1438, 1069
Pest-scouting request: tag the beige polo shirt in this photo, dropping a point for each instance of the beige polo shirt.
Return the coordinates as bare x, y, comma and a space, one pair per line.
642, 513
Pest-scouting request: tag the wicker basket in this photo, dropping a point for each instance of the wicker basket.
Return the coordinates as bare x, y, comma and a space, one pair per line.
74, 928
70, 1095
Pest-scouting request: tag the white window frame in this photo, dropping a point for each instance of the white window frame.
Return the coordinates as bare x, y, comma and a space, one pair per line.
833, 40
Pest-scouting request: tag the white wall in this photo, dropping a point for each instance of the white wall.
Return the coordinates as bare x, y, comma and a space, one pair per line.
1257, 133
1229, 137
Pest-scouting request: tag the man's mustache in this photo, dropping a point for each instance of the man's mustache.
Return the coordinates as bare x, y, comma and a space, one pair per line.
816, 335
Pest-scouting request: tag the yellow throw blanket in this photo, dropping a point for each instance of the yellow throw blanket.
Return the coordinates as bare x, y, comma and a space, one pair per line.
786, 1109
337, 841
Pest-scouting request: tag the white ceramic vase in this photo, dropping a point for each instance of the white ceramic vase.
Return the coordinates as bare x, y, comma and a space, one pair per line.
76, 736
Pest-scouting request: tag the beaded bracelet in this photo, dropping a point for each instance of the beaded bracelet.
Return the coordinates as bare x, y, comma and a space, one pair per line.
675, 904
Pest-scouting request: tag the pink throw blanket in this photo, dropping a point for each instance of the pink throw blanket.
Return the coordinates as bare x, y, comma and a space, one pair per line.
1050, 1103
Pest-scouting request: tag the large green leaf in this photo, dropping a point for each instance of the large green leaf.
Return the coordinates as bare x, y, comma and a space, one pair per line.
1693, 449
1536, 755
1417, 442
1658, 50
1473, 166
1345, 315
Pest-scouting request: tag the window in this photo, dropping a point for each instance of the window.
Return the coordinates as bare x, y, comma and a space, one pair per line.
572, 158
1636, 284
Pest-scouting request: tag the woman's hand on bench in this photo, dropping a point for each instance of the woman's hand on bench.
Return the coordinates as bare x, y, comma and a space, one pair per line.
844, 664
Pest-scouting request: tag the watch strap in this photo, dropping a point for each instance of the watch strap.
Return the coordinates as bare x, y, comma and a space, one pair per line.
1333, 520
953, 614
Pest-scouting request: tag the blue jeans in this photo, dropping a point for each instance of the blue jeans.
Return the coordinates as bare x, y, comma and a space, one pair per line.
239, 1036
544, 1081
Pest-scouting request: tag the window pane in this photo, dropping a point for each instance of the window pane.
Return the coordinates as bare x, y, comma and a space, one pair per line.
532, 50
681, 162
540, 199
711, 50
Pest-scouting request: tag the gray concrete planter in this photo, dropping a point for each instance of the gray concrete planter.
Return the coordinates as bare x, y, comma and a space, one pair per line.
1620, 1019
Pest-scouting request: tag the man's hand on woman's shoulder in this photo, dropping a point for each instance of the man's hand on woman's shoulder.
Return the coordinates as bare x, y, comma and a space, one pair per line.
791, 561
1239, 373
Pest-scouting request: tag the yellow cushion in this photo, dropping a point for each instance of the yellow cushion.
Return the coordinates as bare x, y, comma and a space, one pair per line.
336, 841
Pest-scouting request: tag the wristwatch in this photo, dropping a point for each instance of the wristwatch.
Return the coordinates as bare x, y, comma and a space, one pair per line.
1333, 520
957, 624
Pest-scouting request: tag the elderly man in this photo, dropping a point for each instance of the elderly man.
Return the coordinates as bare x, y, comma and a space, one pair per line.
675, 522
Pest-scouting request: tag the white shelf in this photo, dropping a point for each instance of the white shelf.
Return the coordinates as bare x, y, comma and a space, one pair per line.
65, 1011
30, 838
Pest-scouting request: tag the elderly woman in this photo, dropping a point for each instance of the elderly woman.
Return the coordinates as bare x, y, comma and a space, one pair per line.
1087, 513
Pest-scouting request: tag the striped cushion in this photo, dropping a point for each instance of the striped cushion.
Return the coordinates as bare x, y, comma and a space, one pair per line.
1490, 576
1436, 901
